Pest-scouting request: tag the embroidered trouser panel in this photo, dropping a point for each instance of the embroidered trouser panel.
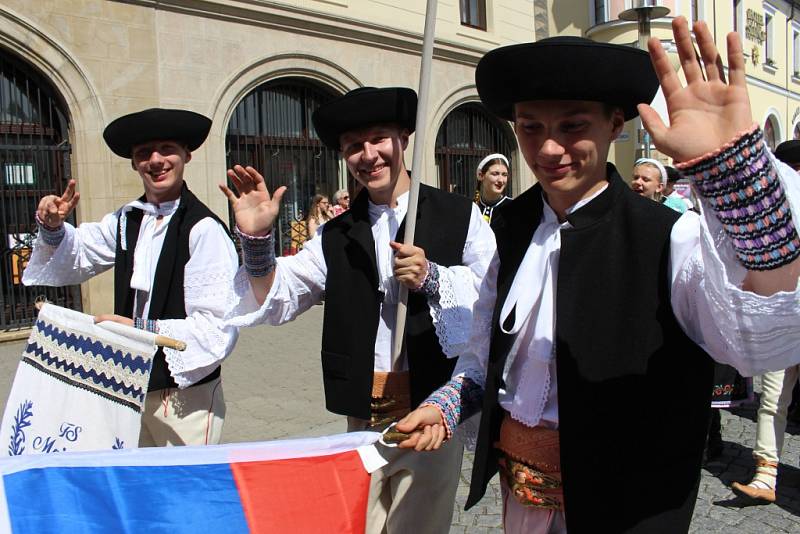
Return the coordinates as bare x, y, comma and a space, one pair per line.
773, 406
415, 492
521, 519
191, 416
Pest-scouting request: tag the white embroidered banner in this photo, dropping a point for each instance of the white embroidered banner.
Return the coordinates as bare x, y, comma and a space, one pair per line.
79, 386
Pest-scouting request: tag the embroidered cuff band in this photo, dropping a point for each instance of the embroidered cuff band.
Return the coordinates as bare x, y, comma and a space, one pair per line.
457, 400
146, 324
741, 184
51, 236
430, 285
258, 253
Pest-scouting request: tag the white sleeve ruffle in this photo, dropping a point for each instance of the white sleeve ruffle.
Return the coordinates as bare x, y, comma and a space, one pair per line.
753, 333
299, 284
451, 310
207, 284
85, 251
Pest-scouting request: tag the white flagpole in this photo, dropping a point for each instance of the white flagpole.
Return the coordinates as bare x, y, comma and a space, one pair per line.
416, 168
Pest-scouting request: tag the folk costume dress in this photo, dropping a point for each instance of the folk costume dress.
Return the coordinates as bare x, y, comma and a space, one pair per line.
185, 292
351, 263
553, 347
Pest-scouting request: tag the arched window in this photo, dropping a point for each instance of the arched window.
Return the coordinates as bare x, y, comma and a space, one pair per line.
271, 130
467, 135
34, 162
796, 132
771, 130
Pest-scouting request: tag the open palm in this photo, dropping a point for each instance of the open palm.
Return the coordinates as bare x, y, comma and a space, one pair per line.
709, 111
254, 209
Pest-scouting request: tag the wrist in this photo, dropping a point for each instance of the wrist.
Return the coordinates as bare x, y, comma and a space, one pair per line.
258, 253
51, 236
430, 284
151, 325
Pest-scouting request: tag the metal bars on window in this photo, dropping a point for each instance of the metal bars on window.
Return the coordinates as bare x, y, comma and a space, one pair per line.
271, 130
467, 135
34, 162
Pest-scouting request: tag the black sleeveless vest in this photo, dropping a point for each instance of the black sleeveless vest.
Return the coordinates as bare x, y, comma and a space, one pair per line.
633, 390
166, 301
352, 301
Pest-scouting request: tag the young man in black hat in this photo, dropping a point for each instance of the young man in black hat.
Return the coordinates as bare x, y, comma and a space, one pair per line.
358, 264
564, 365
181, 293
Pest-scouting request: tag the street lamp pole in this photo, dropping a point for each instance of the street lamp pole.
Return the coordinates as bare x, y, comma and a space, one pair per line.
642, 14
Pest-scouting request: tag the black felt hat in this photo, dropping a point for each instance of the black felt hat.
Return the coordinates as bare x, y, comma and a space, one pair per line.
789, 152
364, 107
156, 124
565, 68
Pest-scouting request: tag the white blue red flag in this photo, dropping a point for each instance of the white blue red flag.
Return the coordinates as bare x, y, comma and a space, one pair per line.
298, 486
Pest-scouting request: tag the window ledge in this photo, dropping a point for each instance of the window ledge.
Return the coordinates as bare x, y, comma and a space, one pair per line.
769, 68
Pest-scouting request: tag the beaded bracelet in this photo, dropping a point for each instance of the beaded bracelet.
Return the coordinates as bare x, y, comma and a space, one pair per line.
51, 236
457, 400
258, 253
430, 285
742, 187
150, 325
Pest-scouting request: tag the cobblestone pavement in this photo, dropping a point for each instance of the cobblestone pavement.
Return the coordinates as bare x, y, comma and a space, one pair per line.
273, 390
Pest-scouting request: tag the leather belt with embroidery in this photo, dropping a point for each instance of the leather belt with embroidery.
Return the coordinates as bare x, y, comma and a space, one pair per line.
531, 464
391, 398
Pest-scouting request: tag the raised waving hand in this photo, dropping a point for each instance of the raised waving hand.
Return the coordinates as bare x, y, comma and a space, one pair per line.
710, 110
254, 209
53, 210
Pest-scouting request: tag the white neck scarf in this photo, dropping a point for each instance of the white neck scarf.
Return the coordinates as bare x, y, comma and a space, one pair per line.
142, 276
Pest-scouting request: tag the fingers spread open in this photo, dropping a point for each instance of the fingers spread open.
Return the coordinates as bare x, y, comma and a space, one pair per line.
736, 66
228, 193
666, 75
708, 51
686, 51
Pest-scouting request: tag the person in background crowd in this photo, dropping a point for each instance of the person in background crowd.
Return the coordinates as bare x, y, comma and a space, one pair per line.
318, 214
773, 406
341, 202
181, 293
671, 198
492, 182
649, 178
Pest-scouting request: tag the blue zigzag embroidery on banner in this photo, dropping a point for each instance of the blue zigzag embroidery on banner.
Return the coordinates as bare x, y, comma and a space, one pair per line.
118, 444
84, 345
53, 362
21, 421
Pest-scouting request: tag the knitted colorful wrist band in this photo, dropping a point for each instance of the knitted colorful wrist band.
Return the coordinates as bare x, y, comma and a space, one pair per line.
430, 285
457, 400
258, 253
51, 236
150, 325
742, 187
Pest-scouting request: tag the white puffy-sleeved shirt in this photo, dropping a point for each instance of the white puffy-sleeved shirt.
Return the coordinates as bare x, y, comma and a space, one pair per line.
300, 283
90, 248
751, 332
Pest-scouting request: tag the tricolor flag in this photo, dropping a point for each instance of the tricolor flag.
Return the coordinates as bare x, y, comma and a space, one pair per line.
297, 486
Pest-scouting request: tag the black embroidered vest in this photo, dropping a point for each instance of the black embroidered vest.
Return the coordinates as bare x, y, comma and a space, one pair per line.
352, 301
633, 390
166, 301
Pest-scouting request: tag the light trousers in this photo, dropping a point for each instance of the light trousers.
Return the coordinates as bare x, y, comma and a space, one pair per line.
191, 416
415, 492
776, 395
519, 519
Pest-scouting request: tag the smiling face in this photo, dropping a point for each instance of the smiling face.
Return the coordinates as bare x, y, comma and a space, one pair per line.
646, 181
374, 156
565, 143
493, 181
160, 165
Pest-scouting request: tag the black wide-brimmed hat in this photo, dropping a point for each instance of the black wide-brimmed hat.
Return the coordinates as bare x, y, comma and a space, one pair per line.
789, 152
565, 68
362, 108
154, 124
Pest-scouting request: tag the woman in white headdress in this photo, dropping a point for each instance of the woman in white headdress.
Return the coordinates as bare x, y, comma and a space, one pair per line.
492, 182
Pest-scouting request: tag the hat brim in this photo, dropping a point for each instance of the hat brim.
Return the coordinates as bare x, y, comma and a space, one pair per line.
362, 108
186, 127
565, 69
788, 152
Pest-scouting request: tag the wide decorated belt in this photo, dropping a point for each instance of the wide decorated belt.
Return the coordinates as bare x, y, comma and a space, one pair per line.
391, 398
531, 464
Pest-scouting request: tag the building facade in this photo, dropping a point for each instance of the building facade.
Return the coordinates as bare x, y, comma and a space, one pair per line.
258, 68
